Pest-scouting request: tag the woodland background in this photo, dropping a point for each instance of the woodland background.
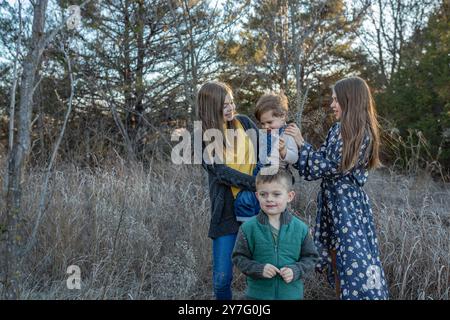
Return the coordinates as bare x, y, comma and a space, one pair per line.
87, 111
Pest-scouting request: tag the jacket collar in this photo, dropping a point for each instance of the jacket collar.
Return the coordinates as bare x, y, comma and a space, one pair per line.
285, 217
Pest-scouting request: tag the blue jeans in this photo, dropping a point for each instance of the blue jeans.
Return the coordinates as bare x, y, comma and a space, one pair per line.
223, 266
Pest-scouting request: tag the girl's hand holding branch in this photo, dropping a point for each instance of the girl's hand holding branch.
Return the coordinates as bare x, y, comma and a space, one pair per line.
294, 131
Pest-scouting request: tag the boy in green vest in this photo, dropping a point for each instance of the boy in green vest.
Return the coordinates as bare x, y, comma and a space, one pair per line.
274, 249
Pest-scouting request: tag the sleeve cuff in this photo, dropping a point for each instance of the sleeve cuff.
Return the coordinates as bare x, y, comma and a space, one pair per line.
303, 154
258, 271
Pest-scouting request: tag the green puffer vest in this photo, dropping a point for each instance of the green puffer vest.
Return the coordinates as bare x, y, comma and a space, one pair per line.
264, 250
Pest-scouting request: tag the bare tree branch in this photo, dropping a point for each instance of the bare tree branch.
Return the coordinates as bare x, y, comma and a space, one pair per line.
14, 84
48, 172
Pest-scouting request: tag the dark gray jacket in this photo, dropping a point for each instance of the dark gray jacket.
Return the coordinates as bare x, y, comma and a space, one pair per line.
221, 178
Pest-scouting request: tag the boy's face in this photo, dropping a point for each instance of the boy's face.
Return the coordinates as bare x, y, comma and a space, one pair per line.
269, 121
273, 197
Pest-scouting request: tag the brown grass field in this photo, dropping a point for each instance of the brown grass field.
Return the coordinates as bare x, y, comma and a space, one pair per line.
141, 233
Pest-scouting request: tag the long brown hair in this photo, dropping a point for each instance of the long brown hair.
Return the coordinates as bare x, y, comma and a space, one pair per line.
210, 101
359, 118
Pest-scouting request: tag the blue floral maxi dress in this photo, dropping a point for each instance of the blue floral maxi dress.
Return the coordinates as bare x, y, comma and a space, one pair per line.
344, 219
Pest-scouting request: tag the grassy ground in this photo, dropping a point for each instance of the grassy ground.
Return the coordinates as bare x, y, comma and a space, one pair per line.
141, 233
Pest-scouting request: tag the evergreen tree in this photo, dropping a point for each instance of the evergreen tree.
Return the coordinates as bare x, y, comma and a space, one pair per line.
418, 97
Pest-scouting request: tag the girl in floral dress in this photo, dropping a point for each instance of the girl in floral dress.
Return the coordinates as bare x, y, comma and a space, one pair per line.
345, 232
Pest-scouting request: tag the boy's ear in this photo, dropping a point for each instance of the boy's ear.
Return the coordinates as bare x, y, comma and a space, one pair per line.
291, 195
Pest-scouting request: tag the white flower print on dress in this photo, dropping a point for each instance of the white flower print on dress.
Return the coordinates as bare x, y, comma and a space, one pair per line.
344, 216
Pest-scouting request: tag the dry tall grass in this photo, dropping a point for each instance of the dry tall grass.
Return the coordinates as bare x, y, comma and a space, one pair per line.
141, 233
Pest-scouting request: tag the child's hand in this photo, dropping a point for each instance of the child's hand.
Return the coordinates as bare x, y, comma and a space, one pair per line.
287, 274
282, 148
295, 132
270, 271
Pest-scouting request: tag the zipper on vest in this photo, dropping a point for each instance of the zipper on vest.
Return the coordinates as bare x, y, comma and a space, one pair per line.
277, 277
275, 246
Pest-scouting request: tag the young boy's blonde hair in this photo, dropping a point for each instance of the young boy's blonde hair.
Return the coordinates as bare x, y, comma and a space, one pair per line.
275, 102
282, 176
